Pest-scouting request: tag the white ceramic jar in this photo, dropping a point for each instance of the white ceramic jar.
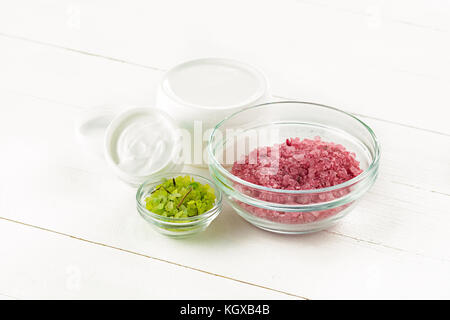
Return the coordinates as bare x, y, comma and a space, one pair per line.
198, 94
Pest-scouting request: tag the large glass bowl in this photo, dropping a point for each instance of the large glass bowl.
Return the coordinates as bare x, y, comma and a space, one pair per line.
291, 211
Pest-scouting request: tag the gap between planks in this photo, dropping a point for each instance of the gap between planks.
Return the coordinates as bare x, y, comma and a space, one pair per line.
153, 258
163, 70
8, 296
374, 243
419, 188
365, 14
382, 120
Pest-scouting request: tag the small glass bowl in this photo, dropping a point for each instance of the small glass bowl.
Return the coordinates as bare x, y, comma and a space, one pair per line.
176, 227
291, 211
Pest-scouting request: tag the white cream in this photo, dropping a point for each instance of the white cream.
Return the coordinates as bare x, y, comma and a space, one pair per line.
143, 146
141, 142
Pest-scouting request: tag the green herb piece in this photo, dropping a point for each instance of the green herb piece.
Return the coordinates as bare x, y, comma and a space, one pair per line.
181, 197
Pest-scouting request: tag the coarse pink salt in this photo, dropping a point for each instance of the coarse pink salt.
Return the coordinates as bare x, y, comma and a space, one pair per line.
297, 165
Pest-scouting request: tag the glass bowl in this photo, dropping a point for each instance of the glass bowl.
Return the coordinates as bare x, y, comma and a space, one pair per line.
177, 227
291, 211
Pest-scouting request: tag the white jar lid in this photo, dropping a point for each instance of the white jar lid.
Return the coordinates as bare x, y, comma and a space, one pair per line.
214, 83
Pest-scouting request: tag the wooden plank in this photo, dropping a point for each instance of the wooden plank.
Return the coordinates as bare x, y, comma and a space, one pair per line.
44, 265
393, 71
42, 71
426, 14
6, 297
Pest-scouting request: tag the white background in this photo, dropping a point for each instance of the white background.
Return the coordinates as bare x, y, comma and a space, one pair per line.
69, 228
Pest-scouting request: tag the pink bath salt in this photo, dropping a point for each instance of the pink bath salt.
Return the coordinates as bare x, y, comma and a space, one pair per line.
293, 217
297, 165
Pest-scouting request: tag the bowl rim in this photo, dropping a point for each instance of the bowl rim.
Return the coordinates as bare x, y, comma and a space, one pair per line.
180, 221
366, 173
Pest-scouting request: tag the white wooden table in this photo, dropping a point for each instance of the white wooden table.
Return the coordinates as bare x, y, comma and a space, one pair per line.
69, 228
